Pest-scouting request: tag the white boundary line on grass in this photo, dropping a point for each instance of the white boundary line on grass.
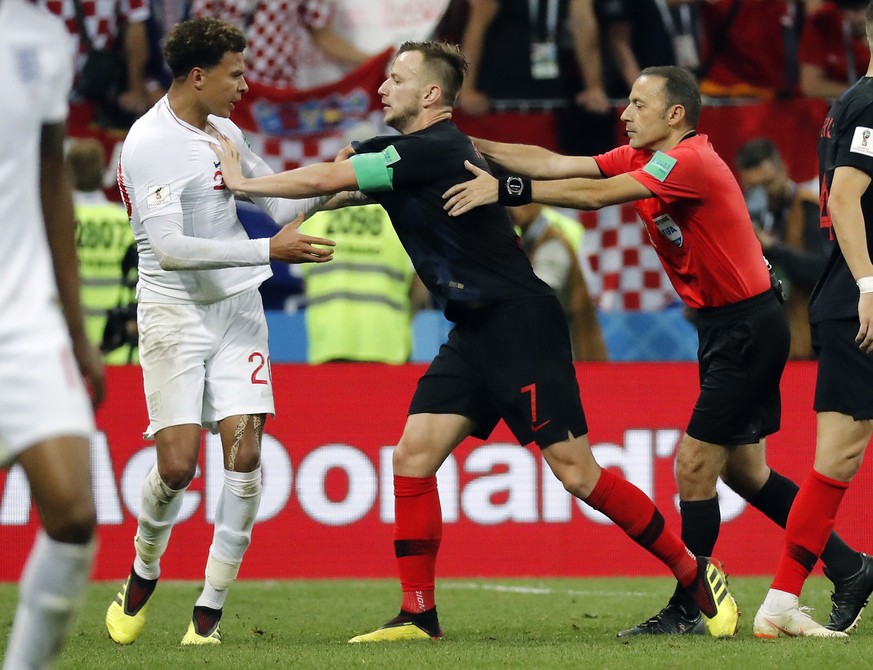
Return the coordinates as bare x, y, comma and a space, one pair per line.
536, 591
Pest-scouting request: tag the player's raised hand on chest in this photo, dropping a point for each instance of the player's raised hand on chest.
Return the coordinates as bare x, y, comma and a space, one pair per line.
231, 162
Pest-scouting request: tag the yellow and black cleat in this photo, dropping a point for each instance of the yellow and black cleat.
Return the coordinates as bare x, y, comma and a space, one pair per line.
405, 626
126, 615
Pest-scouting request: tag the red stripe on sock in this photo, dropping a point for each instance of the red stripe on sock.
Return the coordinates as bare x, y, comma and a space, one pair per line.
418, 522
810, 523
632, 511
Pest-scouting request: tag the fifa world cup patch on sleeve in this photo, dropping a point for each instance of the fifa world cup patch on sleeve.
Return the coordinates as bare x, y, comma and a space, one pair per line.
158, 196
660, 165
862, 141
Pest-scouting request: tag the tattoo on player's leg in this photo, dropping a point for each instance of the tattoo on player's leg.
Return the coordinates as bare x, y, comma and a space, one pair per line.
237, 440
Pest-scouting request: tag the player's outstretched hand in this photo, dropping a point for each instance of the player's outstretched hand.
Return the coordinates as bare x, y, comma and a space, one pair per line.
291, 246
231, 169
463, 197
864, 338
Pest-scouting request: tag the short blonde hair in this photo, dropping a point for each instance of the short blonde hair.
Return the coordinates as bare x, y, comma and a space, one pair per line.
446, 61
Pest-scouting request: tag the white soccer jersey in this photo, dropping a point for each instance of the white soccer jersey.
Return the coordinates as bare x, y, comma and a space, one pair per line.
36, 69
192, 247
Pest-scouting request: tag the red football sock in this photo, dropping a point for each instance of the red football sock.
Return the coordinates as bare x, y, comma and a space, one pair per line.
418, 529
810, 523
632, 511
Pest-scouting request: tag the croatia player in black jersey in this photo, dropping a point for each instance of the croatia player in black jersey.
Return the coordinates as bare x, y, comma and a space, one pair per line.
508, 356
841, 316
697, 221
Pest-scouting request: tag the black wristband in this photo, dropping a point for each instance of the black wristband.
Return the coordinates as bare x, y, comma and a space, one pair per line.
513, 191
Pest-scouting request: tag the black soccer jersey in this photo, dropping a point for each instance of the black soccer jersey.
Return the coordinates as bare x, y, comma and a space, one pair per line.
465, 261
846, 139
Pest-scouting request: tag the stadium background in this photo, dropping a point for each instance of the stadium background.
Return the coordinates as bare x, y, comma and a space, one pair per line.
327, 510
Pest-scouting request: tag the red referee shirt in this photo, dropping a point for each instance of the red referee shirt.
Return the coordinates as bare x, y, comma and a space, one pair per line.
697, 221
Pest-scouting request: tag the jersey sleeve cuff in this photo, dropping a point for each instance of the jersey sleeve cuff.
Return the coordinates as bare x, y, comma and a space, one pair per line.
264, 249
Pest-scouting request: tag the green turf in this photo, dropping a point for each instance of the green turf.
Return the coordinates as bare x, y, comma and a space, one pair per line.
532, 623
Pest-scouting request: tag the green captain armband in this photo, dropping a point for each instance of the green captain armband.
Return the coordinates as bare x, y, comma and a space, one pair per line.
372, 171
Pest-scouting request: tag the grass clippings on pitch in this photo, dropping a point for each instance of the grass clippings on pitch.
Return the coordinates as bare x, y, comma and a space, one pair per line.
505, 623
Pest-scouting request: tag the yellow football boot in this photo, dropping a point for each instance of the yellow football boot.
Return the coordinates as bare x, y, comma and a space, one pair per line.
125, 619
405, 626
203, 627
722, 617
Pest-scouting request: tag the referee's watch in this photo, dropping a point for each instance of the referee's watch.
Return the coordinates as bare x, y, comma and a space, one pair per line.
513, 191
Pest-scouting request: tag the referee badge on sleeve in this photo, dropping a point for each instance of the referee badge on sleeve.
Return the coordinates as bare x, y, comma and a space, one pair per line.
669, 229
660, 165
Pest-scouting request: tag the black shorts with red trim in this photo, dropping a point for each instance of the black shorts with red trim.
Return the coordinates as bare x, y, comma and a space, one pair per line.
512, 361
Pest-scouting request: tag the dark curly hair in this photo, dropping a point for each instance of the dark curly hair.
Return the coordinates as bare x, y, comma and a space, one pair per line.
200, 42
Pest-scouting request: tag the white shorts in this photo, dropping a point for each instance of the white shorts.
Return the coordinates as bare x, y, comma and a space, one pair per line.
204, 363
42, 395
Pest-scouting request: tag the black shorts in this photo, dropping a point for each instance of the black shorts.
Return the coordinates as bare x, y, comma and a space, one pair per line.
845, 373
509, 361
742, 352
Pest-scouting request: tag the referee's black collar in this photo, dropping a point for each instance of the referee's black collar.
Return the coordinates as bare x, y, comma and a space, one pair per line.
688, 135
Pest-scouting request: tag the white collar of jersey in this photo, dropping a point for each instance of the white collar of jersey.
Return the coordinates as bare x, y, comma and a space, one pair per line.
166, 103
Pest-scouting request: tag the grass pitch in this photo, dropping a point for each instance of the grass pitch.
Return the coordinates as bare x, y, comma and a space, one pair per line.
505, 623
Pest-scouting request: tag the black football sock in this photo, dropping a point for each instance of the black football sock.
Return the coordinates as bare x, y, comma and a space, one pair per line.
701, 520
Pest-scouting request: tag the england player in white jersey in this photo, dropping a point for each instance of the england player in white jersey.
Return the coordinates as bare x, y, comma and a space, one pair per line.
203, 334
45, 415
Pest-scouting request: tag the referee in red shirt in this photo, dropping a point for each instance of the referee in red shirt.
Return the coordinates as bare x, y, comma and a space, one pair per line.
697, 221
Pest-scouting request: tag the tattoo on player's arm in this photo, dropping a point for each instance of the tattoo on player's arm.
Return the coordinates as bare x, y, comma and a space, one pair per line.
356, 197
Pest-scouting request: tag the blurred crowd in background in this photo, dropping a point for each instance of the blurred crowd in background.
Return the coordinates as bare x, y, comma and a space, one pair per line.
521, 52
572, 60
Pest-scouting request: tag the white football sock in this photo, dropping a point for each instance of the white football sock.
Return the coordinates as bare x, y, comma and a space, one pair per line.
51, 590
158, 511
237, 508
